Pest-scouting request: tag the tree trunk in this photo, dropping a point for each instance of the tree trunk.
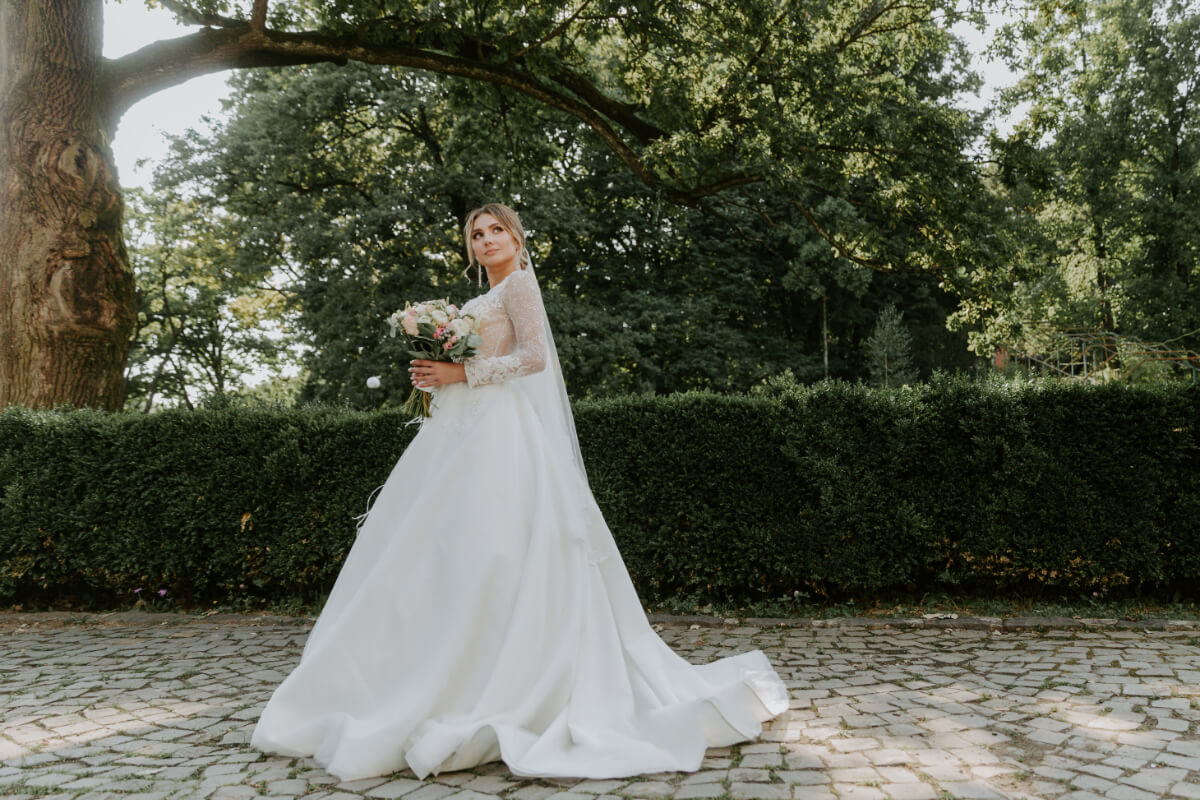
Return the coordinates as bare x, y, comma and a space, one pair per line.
66, 290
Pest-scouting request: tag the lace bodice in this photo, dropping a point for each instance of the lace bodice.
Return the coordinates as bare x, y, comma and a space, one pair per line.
512, 325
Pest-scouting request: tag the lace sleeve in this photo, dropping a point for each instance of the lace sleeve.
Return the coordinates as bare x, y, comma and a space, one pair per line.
523, 304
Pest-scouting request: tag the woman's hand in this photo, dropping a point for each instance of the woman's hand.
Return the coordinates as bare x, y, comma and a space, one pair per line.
428, 374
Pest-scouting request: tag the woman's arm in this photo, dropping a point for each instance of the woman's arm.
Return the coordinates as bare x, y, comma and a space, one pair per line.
523, 304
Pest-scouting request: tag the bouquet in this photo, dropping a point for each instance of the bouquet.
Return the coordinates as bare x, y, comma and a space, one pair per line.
434, 330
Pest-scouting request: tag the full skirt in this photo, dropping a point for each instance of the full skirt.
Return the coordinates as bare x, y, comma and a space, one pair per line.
484, 613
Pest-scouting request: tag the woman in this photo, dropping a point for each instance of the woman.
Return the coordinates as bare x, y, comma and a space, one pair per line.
484, 612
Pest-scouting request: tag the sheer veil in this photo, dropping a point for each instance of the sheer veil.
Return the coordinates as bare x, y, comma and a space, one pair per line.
547, 391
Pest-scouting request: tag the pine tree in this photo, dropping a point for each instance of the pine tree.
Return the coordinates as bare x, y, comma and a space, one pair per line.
889, 350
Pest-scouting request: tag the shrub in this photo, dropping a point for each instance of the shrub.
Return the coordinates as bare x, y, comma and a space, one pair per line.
836, 489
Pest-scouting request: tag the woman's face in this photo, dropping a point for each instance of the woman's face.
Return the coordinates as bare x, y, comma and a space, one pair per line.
491, 242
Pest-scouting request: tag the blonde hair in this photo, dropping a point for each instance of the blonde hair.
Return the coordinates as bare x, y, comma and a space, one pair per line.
510, 222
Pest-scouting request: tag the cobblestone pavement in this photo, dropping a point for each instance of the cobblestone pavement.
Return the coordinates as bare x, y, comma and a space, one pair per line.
163, 706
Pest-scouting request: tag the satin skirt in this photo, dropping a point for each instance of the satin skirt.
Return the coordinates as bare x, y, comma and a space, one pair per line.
484, 613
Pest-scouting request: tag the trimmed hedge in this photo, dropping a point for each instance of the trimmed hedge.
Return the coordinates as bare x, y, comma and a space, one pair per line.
835, 489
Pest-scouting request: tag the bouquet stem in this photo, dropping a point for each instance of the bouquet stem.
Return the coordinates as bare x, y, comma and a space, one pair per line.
418, 402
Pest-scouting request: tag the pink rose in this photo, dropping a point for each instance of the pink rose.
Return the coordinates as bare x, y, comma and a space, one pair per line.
447, 345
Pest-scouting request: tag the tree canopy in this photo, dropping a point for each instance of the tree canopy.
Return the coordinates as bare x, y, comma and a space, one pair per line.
1103, 175
839, 114
719, 191
344, 188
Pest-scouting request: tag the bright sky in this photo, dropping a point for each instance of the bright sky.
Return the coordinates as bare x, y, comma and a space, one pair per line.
141, 137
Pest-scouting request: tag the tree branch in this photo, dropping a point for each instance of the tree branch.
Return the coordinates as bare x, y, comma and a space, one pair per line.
838, 247
237, 45
624, 114
194, 17
566, 23
258, 16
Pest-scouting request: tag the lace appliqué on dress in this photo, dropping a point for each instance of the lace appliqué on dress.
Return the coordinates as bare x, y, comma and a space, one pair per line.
511, 323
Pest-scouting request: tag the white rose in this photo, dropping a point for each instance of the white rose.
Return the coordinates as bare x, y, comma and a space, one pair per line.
461, 326
440, 317
373, 382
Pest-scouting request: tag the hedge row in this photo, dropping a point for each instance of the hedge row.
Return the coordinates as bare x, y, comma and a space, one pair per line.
835, 489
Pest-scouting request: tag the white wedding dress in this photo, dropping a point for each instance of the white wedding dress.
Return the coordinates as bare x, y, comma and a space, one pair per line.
484, 612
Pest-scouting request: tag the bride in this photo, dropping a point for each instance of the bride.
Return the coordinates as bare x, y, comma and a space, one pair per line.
484, 612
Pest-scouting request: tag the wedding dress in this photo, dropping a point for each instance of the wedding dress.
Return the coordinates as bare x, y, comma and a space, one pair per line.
484, 612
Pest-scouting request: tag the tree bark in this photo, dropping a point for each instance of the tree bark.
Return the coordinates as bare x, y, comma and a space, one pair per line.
66, 290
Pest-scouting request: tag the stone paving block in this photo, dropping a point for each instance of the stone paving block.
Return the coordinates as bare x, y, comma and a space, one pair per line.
1106, 772
1184, 762
970, 790
854, 775
1047, 737
909, 791
1044, 789
49, 779
531, 792
1157, 779
804, 757
1173, 725
947, 774
649, 789
697, 791
803, 777
812, 793
760, 791
989, 771
857, 792
705, 776
741, 775
398, 787
846, 760
431, 791
1092, 783
888, 758
499, 784
288, 787
1126, 792
234, 793
1191, 791
854, 744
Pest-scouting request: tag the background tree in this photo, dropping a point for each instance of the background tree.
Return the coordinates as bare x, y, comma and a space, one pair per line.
351, 182
1106, 169
201, 329
889, 350
842, 114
